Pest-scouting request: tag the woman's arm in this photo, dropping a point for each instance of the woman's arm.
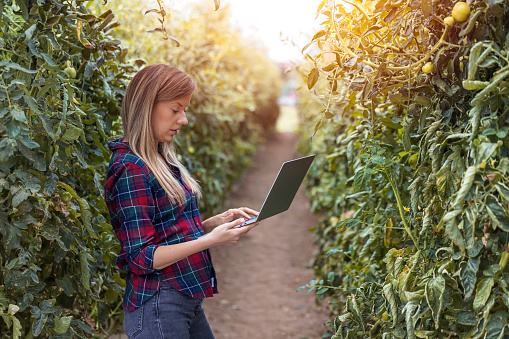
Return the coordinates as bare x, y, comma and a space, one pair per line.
169, 254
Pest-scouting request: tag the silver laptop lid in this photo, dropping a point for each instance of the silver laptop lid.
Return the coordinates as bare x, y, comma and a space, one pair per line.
285, 187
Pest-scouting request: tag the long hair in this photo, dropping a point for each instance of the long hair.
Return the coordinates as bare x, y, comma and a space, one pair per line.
154, 83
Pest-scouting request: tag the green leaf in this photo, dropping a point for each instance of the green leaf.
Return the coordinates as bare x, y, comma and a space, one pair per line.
469, 275
423, 101
391, 298
424, 334
30, 32
503, 191
38, 325
467, 318
451, 227
31, 103
328, 115
19, 197
85, 270
317, 127
412, 312
20, 68
469, 224
62, 324
16, 328
484, 151
483, 292
467, 181
347, 223
29, 143
388, 122
371, 30
322, 290
497, 213
435, 289
48, 59
496, 324
7, 147
332, 251
24, 9
18, 114
72, 133
350, 62
318, 34
491, 87
313, 77
353, 307
362, 178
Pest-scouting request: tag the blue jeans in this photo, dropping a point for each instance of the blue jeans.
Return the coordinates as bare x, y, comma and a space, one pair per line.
169, 314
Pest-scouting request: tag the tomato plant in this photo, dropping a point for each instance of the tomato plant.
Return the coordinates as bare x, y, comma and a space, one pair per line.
412, 167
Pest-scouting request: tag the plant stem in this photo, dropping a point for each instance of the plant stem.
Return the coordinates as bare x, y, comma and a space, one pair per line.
400, 208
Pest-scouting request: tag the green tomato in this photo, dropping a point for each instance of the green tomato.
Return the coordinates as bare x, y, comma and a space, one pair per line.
66, 197
70, 71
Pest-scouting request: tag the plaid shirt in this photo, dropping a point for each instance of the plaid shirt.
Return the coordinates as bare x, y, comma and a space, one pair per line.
143, 218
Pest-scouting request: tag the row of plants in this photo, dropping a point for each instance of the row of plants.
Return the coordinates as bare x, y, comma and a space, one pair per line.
63, 71
406, 102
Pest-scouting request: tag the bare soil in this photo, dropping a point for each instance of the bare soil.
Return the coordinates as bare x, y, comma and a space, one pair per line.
259, 276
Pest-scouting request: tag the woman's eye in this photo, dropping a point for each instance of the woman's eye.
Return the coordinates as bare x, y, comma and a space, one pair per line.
174, 111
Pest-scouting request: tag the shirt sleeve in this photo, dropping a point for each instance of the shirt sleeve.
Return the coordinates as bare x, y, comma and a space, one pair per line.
136, 209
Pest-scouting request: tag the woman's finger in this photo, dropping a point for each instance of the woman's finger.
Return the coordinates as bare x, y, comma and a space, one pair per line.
249, 210
241, 213
248, 228
234, 223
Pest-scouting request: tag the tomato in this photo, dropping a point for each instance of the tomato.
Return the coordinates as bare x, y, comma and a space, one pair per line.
449, 21
461, 11
66, 197
70, 71
413, 159
427, 68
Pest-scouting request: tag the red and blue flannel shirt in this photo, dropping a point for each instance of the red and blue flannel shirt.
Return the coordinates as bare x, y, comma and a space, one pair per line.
143, 218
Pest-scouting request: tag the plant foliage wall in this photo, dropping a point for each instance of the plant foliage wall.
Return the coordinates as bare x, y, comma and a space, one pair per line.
62, 77
409, 112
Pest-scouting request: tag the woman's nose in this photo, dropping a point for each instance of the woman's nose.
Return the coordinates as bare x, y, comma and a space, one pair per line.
183, 119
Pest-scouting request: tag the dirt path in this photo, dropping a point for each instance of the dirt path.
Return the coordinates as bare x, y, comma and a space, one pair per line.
259, 276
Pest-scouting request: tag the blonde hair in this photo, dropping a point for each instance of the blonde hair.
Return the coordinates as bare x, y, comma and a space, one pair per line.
154, 83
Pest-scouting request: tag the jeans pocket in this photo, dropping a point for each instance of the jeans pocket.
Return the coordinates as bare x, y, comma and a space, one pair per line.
133, 322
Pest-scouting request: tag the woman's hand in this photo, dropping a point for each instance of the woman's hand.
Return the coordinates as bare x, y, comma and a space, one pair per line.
226, 233
228, 216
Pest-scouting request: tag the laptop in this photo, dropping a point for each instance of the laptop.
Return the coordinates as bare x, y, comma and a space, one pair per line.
284, 188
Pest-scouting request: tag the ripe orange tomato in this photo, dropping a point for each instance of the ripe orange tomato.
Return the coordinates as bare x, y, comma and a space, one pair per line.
449, 21
427, 68
461, 11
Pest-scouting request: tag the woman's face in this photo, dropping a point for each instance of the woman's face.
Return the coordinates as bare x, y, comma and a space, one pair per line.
168, 117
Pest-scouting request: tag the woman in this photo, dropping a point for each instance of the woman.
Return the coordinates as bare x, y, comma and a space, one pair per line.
152, 200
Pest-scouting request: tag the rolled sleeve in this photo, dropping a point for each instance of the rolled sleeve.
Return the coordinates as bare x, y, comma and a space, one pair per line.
136, 209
